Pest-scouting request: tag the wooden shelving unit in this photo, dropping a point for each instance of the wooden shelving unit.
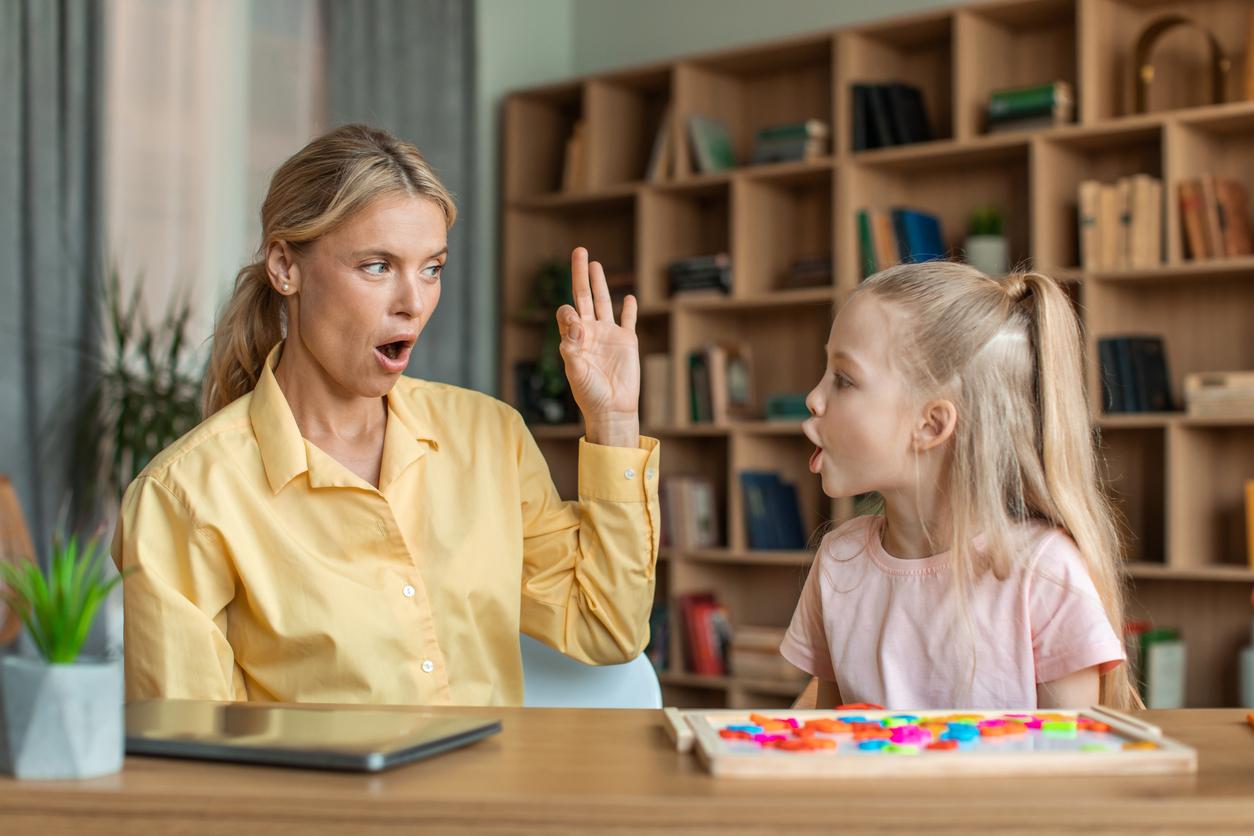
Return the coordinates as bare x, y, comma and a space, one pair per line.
1176, 480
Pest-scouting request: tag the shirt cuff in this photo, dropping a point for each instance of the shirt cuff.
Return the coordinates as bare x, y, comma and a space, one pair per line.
619, 474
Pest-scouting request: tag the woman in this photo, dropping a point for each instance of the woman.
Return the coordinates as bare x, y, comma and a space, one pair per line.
335, 532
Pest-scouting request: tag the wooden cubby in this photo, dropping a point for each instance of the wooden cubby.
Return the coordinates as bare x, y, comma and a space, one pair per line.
1176, 481
753, 89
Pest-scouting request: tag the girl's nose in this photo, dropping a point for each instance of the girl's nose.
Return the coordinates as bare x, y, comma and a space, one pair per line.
814, 401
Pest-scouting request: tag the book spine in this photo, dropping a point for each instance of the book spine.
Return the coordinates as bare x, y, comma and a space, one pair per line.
866, 243
1089, 205
1193, 218
1027, 101
1112, 391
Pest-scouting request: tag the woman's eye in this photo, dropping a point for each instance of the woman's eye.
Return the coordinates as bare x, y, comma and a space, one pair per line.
382, 267
434, 271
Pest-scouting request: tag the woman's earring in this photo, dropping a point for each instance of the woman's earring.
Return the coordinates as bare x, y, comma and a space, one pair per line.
285, 287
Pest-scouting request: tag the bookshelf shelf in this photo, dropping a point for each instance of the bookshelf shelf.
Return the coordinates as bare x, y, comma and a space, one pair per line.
1175, 479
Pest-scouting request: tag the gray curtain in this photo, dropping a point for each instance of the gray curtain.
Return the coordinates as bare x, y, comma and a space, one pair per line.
407, 66
50, 226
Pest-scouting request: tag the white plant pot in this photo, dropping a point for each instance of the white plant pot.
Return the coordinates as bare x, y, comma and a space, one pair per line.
61, 721
988, 254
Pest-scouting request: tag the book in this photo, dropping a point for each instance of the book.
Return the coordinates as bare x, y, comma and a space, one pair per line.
690, 516
661, 161
791, 141
787, 406
807, 129
1210, 213
1193, 217
772, 513
910, 122
1089, 207
754, 654
1219, 394
866, 244
711, 144
1233, 198
918, 235
813, 271
1145, 225
710, 272
1108, 225
1122, 248
702, 411
1054, 100
1134, 374
884, 238
656, 386
882, 127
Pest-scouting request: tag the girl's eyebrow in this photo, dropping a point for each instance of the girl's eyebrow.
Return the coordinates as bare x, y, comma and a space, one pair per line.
848, 358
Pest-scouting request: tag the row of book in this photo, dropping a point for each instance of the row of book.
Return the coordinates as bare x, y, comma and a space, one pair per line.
1134, 374
1121, 223
707, 633
887, 237
720, 381
701, 273
772, 513
713, 149
689, 513
1220, 395
1029, 108
1215, 216
888, 114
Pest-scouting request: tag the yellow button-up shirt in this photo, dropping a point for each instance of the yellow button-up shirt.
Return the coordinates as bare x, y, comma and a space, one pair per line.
266, 570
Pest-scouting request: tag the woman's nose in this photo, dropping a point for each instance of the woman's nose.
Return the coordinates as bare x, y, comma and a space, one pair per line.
409, 296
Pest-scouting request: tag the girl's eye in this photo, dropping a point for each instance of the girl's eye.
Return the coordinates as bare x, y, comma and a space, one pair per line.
842, 382
370, 268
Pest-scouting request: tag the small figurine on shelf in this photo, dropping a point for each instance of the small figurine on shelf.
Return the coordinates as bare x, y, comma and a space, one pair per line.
986, 247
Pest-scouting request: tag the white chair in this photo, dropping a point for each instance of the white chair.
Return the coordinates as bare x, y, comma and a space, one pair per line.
554, 680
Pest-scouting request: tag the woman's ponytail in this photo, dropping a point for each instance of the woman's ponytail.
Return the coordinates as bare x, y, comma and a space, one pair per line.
251, 325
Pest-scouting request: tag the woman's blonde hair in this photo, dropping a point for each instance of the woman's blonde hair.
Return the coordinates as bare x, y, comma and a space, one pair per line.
1008, 354
314, 191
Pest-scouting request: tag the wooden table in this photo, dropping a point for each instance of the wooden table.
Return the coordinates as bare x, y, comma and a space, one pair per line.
574, 771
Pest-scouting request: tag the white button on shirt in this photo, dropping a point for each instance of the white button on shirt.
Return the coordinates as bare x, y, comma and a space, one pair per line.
407, 591
630, 473
427, 666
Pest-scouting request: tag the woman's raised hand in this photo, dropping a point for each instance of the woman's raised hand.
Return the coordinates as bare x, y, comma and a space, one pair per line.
602, 357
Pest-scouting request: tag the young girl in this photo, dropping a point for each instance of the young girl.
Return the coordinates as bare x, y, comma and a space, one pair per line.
991, 579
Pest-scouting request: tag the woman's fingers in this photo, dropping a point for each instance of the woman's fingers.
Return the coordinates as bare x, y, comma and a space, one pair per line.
629, 312
568, 323
580, 289
601, 293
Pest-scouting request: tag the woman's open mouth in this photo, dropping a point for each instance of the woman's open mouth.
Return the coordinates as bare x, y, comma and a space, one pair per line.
394, 356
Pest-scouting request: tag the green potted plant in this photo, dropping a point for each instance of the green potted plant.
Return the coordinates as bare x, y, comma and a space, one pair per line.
986, 242
61, 716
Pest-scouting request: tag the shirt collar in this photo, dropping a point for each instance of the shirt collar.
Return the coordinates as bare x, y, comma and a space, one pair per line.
283, 450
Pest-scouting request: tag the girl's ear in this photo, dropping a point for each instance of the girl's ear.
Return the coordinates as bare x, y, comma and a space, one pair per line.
936, 425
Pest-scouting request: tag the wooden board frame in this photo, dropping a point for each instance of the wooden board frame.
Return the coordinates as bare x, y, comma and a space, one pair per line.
697, 730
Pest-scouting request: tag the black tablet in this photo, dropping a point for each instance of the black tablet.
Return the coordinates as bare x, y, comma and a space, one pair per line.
358, 738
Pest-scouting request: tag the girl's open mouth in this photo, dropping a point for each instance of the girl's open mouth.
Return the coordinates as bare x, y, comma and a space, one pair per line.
814, 459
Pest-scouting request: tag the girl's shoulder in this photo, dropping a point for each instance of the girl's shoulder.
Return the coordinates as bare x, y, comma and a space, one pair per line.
849, 540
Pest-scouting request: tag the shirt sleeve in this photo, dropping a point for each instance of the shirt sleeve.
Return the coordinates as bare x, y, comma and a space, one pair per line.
805, 643
588, 566
1070, 631
175, 596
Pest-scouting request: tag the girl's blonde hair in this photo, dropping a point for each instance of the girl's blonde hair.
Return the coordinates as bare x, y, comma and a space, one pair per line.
317, 189
1008, 354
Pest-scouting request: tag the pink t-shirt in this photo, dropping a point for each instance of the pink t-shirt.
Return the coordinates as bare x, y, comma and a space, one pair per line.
890, 631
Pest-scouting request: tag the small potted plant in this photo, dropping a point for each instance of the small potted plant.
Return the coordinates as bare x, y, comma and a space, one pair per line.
61, 716
986, 247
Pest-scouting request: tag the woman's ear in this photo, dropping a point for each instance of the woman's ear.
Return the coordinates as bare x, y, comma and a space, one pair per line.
936, 425
281, 267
